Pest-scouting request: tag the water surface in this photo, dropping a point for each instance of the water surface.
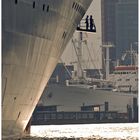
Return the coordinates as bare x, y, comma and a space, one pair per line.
123, 131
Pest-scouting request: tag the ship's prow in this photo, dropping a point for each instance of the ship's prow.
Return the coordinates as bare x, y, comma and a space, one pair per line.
34, 35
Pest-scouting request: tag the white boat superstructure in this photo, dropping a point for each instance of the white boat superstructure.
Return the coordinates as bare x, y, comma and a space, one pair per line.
34, 35
125, 78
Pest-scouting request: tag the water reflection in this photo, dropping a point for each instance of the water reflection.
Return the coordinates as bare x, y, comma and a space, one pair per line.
128, 131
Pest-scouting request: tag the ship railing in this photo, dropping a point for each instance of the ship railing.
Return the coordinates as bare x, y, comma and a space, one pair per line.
67, 117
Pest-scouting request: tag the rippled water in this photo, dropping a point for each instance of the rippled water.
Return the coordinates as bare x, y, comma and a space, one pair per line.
127, 131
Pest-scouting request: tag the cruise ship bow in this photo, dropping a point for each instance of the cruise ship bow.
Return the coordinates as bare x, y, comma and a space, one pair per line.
34, 35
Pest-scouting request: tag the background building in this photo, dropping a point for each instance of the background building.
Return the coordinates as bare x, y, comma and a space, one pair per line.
119, 26
126, 26
108, 18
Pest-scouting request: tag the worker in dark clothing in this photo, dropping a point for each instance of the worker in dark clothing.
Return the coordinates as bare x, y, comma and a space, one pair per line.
87, 23
91, 23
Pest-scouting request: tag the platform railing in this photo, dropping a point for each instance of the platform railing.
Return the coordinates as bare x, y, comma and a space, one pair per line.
82, 27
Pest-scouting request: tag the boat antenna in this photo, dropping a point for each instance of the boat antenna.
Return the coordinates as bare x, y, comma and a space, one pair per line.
108, 46
78, 51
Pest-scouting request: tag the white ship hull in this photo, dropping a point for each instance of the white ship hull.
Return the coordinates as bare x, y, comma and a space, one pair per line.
34, 35
72, 98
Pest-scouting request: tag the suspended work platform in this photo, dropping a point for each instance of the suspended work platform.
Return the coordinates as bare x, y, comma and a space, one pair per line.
85, 30
86, 26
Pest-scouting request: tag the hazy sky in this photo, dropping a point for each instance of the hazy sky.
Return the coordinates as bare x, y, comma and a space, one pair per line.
93, 39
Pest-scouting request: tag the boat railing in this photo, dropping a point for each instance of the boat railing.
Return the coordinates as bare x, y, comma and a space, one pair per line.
75, 117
